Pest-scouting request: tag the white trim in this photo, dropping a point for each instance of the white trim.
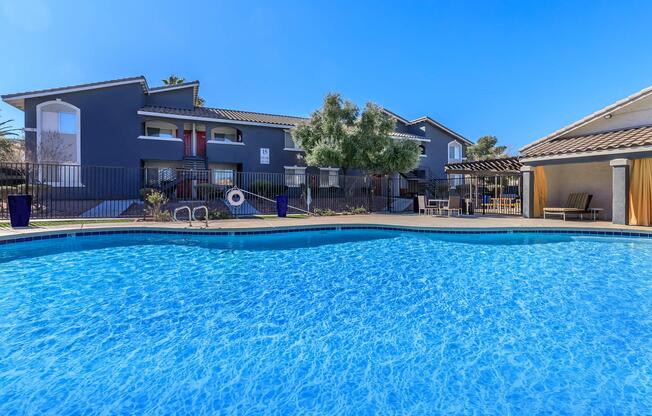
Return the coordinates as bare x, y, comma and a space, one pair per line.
441, 126
211, 119
526, 168
38, 125
620, 162
295, 167
589, 154
30, 129
227, 143
173, 87
409, 137
163, 139
448, 151
292, 149
423, 155
330, 169
65, 90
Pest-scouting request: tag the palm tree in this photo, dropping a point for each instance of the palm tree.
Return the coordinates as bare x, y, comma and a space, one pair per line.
7, 130
173, 80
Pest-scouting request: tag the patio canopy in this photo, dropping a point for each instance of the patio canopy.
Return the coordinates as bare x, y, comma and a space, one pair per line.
486, 167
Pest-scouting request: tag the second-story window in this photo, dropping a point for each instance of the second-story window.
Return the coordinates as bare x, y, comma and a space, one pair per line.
290, 144
454, 151
160, 129
226, 134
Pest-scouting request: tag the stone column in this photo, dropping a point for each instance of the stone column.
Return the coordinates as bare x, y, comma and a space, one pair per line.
528, 191
620, 191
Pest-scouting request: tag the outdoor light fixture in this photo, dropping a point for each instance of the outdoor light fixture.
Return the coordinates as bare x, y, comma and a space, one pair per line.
607, 116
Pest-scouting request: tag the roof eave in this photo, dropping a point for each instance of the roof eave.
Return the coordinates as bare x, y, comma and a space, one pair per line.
440, 126
592, 117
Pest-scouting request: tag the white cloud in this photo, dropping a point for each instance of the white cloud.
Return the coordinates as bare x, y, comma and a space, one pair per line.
32, 15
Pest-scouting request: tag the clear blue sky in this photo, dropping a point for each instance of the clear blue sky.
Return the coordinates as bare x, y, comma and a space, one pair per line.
514, 69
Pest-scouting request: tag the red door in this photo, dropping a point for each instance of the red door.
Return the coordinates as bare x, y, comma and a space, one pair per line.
201, 143
187, 142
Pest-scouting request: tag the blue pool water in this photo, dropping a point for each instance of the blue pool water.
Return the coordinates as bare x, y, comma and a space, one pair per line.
335, 322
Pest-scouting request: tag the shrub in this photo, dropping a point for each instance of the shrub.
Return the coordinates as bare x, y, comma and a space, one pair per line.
324, 212
144, 192
218, 215
8, 190
355, 210
209, 191
155, 200
266, 188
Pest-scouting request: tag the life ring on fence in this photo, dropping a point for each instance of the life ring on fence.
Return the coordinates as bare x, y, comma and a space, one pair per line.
235, 197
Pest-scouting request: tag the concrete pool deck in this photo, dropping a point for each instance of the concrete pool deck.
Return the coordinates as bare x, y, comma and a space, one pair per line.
404, 220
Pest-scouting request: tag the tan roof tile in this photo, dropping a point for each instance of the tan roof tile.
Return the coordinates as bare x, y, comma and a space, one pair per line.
632, 137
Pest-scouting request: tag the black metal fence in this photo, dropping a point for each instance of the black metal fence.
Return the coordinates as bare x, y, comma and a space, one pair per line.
481, 195
70, 191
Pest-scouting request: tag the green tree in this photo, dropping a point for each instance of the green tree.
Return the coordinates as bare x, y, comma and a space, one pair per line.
175, 80
485, 148
338, 135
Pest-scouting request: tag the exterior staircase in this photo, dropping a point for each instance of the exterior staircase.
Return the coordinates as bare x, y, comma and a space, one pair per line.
195, 163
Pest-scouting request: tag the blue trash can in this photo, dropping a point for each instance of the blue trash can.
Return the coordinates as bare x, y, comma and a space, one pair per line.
20, 209
282, 205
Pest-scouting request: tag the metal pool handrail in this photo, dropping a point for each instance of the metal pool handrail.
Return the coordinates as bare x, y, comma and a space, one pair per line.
205, 208
174, 216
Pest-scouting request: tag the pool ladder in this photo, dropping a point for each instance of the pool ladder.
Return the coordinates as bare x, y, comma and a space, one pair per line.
191, 213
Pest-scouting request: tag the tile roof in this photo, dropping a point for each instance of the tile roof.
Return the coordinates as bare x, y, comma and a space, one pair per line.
618, 105
230, 115
617, 139
507, 164
407, 136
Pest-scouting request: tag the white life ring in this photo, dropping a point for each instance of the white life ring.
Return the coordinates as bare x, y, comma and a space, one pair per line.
235, 197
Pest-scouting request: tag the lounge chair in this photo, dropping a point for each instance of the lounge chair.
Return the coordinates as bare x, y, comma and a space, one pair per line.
577, 203
454, 205
425, 208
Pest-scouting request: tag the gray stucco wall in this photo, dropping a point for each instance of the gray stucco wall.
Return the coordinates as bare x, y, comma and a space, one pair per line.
437, 149
110, 126
181, 98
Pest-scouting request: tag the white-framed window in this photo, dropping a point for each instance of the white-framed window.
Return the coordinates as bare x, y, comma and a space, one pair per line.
290, 144
329, 177
225, 134
58, 143
422, 148
454, 151
295, 176
223, 177
160, 129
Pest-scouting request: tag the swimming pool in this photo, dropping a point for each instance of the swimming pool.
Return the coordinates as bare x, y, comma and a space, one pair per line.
329, 322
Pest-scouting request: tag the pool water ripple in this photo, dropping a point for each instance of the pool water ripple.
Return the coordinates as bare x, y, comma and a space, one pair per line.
336, 322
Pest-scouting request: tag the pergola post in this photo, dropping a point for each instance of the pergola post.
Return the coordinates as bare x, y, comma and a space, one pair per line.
527, 173
620, 191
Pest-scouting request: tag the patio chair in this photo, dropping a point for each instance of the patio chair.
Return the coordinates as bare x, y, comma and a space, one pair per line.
425, 208
577, 203
454, 205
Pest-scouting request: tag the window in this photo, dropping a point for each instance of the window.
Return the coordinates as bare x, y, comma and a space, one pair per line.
67, 123
223, 177
295, 177
289, 141
423, 150
454, 151
226, 134
329, 177
160, 129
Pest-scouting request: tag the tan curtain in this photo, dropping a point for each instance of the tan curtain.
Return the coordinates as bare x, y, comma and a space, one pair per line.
640, 192
540, 190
